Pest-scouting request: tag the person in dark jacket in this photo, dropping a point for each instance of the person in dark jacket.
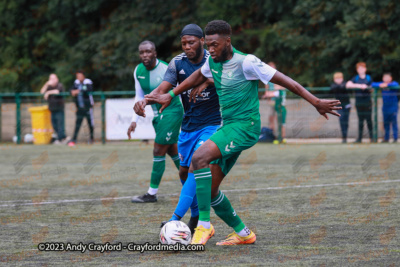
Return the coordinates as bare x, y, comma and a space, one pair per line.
361, 83
84, 104
51, 91
338, 88
390, 106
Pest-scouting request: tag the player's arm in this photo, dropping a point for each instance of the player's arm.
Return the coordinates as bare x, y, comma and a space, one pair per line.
198, 89
139, 96
323, 106
193, 80
170, 80
163, 88
254, 68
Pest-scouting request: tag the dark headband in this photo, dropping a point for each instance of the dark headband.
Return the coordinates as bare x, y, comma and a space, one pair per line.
193, 30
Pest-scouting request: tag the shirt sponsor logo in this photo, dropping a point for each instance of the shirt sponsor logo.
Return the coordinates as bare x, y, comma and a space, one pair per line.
141, 77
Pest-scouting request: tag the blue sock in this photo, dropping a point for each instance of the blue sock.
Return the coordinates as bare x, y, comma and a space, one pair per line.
187, 199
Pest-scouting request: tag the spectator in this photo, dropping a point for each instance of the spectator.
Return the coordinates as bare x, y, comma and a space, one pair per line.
274, 103
361, 82
84, 103
338, 88
51, 91
270, 101
390, 105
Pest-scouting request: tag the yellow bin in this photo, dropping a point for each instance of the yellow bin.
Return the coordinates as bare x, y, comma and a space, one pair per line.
41, 125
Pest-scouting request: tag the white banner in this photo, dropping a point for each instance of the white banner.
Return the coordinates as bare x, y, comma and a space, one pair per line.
118, 119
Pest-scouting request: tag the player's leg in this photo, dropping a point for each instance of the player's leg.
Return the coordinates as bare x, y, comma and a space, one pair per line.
206, 153
173, 153
226, 143
159, 152
283, 124
187, 144
168, 129
223, 208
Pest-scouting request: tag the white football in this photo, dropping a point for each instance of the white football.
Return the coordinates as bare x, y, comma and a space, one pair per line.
175, 232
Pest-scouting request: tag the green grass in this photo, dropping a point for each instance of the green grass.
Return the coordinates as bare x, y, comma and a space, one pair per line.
297, 198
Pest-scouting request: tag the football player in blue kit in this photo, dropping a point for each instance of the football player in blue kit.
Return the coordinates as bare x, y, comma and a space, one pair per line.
201, 119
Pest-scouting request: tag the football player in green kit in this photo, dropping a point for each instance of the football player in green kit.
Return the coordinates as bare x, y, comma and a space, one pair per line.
148, 76
236, 76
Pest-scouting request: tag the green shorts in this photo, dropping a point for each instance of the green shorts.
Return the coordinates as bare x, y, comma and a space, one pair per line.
167, 127
232, 139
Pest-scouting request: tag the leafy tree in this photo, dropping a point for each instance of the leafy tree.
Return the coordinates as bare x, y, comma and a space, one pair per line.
308, 39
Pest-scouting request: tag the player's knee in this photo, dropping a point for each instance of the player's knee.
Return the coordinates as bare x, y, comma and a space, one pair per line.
159, 151
199, 161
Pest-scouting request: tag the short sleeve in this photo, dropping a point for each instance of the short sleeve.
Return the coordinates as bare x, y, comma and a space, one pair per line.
255, 69
139, 95
205, 69
171, 74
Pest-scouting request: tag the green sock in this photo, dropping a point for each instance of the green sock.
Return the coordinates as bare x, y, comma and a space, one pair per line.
158, 171
176, 161
224, 210
203, 191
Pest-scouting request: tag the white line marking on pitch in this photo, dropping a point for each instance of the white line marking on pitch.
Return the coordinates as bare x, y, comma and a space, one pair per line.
232, 190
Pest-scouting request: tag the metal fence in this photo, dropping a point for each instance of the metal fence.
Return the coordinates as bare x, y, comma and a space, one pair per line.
297, 113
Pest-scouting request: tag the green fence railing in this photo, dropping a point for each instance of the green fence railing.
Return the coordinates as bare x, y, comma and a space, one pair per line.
18, 97
103, 95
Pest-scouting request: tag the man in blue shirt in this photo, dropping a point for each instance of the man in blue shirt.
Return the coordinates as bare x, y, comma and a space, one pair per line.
390, 105
202, 115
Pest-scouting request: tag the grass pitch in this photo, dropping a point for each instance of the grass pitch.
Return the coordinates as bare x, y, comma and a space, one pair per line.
310, 205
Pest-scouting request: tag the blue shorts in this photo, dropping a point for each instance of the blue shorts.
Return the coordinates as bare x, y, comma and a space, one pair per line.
189, 142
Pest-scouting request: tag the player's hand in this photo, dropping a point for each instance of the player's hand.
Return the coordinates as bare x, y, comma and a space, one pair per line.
363, 86
328, 106
197, 91
164, 100
139, 107
46, 96
131, 129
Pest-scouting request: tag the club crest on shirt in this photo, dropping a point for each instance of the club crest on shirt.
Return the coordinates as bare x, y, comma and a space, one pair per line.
227, 73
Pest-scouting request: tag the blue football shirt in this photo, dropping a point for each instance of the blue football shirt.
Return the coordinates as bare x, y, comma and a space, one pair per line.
205, 112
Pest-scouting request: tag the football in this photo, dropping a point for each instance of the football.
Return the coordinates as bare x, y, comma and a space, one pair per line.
175, 232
